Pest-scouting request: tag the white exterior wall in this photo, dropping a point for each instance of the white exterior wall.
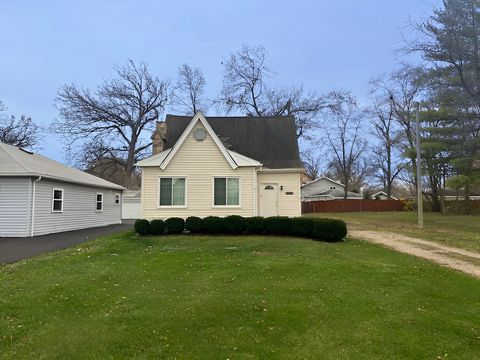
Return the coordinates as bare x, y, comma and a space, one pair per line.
15, 205
199, 162
288, 205
79, 208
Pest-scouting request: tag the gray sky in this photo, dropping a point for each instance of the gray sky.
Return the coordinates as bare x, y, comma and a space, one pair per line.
324, 44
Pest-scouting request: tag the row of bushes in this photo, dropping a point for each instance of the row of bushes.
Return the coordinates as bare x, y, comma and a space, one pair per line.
330, 230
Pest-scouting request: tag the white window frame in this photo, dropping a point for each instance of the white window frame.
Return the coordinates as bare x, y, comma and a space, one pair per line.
226, 189
101, 202
117, 196
185, 195
61, 200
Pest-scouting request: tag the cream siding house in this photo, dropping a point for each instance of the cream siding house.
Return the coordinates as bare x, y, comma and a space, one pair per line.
209, 169
41, 196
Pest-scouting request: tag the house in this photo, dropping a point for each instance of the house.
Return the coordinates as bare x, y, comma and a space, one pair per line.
382, 195
325, 188
222, 166
41, 196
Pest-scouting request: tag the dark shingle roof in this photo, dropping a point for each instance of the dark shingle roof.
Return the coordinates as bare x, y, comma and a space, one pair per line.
270, 140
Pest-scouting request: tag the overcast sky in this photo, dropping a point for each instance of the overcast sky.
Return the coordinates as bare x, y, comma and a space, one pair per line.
322, 44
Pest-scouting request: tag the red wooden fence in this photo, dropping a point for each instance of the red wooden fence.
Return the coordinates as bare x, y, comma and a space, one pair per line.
351, 205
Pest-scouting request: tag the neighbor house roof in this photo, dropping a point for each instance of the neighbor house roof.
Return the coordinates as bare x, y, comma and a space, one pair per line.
335, 193
15, 161
323, 178
271, 141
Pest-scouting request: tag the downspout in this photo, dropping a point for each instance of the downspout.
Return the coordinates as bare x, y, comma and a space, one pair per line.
33, 205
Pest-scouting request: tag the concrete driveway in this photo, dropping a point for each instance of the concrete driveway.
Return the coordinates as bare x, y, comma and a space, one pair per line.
14, 249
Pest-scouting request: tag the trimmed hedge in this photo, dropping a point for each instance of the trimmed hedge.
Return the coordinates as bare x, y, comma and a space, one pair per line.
157, 227
142, 227
174, 225
194, 225
330, 230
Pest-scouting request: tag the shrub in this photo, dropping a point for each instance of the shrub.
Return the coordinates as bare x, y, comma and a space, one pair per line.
234, 224
142, 227
157, 227
214, 225
329, 230
174, 225
301, 226
277, 225
194, 224
255, 225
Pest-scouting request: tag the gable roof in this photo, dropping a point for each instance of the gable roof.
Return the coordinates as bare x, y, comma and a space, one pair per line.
323, 178
271, 141
381, 192
336, 194
15, 161
163, 158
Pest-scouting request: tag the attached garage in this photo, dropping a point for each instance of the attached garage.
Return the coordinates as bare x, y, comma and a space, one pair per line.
41, 196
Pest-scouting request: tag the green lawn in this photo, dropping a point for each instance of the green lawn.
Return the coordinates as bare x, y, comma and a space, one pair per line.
188, 297
455, 230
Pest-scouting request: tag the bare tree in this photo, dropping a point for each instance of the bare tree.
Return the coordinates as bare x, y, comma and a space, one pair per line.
387, 159
21, 132
246, 89
343, 132
188, 94
109, 122
312, 161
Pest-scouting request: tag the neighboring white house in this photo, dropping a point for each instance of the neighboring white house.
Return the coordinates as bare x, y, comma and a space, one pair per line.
325, 188
382, 195
131, 204
222, 166
41, 196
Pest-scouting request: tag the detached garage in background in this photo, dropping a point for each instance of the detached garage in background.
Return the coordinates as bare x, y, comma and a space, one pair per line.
41, 196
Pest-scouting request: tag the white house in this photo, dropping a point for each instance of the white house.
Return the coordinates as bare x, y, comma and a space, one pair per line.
325, 188
382, 195
41, 196
222, 166
131, 204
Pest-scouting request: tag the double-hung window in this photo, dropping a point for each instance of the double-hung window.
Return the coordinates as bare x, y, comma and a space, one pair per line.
226, 191
99, 201
172, 191
57, 200
117, 199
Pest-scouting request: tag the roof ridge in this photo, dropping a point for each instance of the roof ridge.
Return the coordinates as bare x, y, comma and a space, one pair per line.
2, 145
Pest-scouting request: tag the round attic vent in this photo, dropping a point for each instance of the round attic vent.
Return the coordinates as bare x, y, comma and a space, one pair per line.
199, 134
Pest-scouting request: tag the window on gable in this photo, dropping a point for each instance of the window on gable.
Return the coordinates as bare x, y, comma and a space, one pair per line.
57, 200
226, 191
99, 201
117, 199
172, 191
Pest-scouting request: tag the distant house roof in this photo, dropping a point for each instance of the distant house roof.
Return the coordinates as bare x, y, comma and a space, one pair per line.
380, 193
15, 161
323, 178
270, 140
335, 194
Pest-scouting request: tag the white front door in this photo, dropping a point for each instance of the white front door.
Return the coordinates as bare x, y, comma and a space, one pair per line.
268, 200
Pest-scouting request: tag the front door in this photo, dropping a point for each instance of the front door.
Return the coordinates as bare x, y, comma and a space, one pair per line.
268, 200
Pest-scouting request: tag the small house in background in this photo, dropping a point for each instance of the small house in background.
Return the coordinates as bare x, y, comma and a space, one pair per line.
325, 188
382, 195
41, 196
222, 166
132, 204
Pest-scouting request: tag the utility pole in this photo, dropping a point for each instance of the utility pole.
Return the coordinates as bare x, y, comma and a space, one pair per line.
419, 169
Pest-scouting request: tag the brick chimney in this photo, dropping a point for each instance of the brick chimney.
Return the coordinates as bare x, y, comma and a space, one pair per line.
159, 137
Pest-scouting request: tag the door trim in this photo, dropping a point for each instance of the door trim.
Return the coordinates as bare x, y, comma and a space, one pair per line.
262, 185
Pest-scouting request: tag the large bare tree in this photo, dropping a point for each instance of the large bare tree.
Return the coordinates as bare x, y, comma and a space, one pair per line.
188, 94
344, 134
18, 131
246, 89
110, 122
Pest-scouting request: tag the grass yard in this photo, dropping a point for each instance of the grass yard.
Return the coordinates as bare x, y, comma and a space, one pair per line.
455, 230
188, 297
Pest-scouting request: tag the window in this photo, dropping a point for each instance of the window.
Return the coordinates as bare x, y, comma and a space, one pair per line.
99, 200
226, 191
117, 199
171, 191
57, 200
